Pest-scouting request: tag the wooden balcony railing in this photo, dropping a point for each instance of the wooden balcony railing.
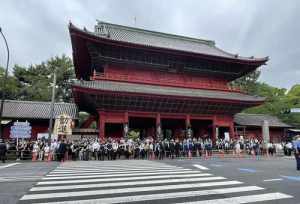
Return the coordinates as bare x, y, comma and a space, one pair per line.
167, 81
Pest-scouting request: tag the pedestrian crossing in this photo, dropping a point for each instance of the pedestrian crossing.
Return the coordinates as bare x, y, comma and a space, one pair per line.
141, 181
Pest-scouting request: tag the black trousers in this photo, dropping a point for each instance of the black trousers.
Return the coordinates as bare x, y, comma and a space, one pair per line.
101, 155
3, 158
110, 155
297, 157
177, 152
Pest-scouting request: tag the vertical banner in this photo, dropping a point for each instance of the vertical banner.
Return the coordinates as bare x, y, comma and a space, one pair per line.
63, 125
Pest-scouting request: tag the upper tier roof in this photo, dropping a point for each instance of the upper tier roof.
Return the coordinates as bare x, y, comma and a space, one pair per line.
195, 55
163, 40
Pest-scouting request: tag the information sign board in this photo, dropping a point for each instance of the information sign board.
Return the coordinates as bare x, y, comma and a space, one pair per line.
20, 130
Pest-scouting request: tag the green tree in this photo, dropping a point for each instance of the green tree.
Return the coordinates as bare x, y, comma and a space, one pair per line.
34, 82
11, 86
247, 83
278, 102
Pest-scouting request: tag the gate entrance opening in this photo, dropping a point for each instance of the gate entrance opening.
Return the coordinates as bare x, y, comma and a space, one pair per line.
173, 128
145, 126
202, 128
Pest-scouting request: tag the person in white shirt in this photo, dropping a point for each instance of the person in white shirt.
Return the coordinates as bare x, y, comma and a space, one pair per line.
96, 147
35, 151
238, 148
53, 149
46, 152
114, 149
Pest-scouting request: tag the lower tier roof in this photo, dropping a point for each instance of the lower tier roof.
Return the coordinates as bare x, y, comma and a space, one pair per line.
257, 120
92, 96
166, 91
14, 109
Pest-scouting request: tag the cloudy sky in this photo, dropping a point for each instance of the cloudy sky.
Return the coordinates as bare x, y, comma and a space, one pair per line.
37, 30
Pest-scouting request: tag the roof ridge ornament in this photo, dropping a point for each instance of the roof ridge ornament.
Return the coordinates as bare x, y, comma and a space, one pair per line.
101, 29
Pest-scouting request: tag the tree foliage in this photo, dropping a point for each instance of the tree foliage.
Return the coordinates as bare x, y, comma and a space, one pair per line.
34, 82
248, 82
278, 101
11, 85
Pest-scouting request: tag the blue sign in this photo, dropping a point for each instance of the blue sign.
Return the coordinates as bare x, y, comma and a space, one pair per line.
20, 130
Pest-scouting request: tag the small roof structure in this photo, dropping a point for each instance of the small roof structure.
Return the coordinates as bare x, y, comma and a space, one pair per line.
167, 91
14, 109
256, 120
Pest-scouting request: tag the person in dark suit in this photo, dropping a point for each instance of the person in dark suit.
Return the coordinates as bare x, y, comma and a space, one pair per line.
62, 150
3, 151
296, 146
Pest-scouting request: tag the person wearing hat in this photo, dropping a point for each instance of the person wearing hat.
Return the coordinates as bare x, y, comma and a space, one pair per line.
296, 147
2, 151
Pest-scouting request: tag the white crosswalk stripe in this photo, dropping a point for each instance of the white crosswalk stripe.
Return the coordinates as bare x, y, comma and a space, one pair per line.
244, 199
92, 180
74, 173
107, 171
164, 181
140, 181
80, 173
119, 175
8, 165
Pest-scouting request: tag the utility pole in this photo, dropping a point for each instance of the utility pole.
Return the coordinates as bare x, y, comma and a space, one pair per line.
3, 84
50, 129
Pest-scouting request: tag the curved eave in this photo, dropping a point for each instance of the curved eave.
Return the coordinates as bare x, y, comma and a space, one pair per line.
81, 57
79, 36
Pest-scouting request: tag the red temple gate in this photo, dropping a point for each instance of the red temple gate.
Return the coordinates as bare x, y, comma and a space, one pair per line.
133, 78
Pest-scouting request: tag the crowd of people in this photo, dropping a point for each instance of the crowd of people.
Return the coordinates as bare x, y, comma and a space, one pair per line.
87, 149
111, 149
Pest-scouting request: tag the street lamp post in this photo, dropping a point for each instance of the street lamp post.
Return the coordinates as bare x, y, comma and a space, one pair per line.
52, 106
3, 84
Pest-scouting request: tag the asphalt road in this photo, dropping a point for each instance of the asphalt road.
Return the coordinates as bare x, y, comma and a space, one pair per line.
272, 180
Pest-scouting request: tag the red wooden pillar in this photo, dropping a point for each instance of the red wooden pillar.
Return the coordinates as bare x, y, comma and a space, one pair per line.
187, 121
101, 122
231, 132
126, 118
158, 127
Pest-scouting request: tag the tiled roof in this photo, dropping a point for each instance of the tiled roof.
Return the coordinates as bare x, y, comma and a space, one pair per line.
163, 40
164, 90
36, 109
257, 120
